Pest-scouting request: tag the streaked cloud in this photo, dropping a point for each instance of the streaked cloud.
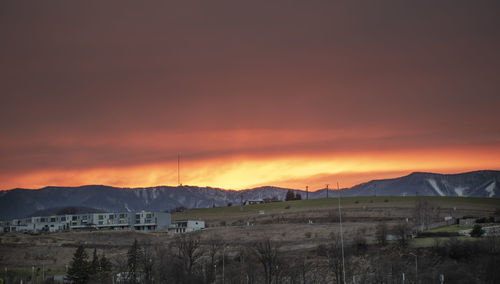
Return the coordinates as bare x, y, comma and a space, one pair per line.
254, 93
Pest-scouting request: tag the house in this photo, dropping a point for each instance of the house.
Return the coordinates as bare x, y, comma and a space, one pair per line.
251, 202
185, 226
467, 222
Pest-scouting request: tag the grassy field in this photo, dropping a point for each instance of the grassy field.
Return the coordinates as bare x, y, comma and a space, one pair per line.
296, 224
452, 228
236, 212
429, 242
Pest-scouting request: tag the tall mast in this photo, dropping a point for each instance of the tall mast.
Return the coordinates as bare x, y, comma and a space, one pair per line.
179, 169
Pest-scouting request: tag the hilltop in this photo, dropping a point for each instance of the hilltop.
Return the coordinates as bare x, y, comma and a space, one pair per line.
17, 203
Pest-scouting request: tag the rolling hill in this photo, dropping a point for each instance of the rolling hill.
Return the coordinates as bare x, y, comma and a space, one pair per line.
17, 203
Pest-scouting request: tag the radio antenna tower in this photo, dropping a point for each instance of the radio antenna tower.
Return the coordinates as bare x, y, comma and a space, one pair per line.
179, 169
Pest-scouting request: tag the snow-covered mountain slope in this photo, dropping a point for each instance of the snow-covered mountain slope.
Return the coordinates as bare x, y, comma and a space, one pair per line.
473, 184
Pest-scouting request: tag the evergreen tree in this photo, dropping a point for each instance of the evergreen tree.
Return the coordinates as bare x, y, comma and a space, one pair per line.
94, 265
477, 231
134, 255
104, 271
298, 196
289, 195
78, 272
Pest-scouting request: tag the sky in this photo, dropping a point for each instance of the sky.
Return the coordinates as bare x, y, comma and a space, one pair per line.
248, 93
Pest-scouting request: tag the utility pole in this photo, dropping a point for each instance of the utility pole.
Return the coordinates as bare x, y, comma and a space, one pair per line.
223, 264
307, 192
326, 190
416, 267
341, 234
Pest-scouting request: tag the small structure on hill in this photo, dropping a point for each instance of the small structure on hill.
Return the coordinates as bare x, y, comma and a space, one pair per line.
255, 201
467, 222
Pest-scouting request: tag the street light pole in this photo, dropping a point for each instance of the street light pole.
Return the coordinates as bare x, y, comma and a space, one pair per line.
416, 266
341, 234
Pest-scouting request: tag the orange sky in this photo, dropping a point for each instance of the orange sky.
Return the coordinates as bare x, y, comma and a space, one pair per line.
284, 94
294, 171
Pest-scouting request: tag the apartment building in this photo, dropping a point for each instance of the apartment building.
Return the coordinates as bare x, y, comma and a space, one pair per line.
141, 221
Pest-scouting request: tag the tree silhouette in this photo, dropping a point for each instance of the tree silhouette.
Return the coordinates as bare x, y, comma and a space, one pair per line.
289, 195
79, 269
134, 256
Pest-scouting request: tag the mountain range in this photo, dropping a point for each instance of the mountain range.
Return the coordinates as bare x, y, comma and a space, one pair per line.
18, 203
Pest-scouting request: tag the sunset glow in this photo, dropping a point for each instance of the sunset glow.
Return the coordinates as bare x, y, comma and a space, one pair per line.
242, 172
250, 94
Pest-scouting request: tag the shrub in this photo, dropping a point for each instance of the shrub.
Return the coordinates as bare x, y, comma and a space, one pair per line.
381, 232
360, 243
307, 235
477, 231
287, 207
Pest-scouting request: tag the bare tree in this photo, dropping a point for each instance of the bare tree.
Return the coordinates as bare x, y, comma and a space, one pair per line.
333, 253
148, 262
381, 232
268, 255
214, 246
423, 213
401, 230
188, 252
164, 264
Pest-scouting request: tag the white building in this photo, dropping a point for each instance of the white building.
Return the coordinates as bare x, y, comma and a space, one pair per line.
251, 202
142, 221
185, 226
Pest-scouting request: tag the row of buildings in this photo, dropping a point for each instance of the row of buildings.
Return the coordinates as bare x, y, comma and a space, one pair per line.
140, 221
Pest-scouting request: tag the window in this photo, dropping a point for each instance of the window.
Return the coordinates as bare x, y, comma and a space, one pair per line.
147, 221
63, 218
137, 216
111, 217
122, 215
148, 216
101, 217
74, 218
52, 219
100, 222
